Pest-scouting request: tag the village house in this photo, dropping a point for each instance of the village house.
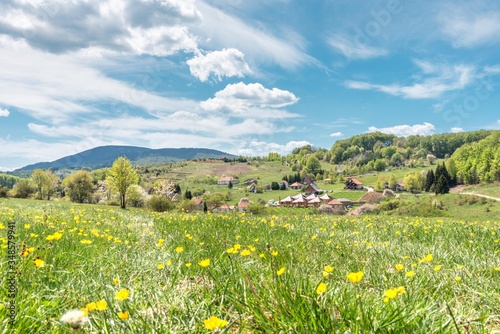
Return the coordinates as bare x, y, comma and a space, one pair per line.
334, 203
353, 184
226, 179
312, 188
198, 203
283, 182
243, 204
296, 186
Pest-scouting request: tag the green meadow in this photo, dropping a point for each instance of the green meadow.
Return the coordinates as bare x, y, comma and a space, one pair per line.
133, 271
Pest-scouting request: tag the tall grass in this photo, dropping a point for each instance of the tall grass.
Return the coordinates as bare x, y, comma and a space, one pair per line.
263, 275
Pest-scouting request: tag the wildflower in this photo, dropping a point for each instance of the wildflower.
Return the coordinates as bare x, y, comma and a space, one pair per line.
188, 264
458, 278
86, 242
261, 255
328, 269
321, 288
122, 294
496, 269
123, 315
274, 253
400, 289
169, 263
116, 281
27, 225
399, 267
101, 305
75, 318
204, 263
437, 268
459, 266
391, 293
213, 323
427, 258
355, 277
160, 242
179, 249
160, 266
281, 271
39, 263
245, 252
91, 306
326, 274
410, 273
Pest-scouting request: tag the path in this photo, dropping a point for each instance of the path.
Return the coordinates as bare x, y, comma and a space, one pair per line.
479, 195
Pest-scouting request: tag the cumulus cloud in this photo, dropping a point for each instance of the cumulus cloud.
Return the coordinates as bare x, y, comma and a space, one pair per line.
147, 27
4, 113
424, 129
243, 98
352, 49
456, 130
259, 148
336, 134
436, 80
224, 63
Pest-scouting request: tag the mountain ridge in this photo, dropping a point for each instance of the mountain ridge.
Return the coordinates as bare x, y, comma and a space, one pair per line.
104, 156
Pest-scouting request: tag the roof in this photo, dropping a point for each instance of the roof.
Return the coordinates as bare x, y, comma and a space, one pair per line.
325, 197
314, 186
227, 178
355, 181
197, 200
284, 181
314, 200
335, 202
310, 197
287, 199
344, 200
243, 204
296, 184
299, 200
298, 196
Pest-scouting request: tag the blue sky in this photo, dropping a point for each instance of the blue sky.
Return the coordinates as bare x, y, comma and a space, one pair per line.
245, 77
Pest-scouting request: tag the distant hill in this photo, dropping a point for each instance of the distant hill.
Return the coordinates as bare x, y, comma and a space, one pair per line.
103, 156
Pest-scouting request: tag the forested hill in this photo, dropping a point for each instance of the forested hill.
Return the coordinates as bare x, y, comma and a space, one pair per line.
104, 156
364, 148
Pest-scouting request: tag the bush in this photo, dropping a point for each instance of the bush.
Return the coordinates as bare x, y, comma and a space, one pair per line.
3, 191
388, 193
257, 208
113, 202
159, 204
187, 206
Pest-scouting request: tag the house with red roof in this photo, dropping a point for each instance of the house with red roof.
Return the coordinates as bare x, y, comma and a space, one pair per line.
353, 184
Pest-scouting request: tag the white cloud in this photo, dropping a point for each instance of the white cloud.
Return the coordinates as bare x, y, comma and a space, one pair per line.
222, 29
242, 99
55, 94
424, 129
437, 80
456, 130
336, 134
154, 27
492, 69
224, 63
471, 25
260, 148
352, 49
4, 113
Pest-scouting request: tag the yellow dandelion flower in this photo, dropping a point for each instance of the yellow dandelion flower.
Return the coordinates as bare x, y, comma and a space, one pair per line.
261, 255
281, 271
86, 242
214, 323
188, 264
179, 249
116, 281
274, 253
85, 310
39, 263
391, 293
459, 266
101, 305
437, 268
321, 288
160, 266
410, 273
169, 263
27, 225
160, 242
328, 269
325, 274
458, 278
123, 315
355, 277
496, 269
400, 290
399, 267
245, 252
204, 263
122, 294
91, 306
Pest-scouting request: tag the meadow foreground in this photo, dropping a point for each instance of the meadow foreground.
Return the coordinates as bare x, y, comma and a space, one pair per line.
141, 272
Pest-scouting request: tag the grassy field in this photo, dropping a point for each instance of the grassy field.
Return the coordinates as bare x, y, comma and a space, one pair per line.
133, 271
